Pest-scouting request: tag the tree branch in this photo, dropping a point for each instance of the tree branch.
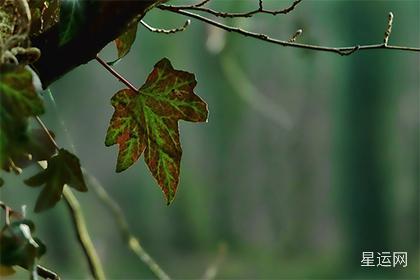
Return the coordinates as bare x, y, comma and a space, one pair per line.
260, 10
266, 38
82, 234
132, 242
166, 31
104, 22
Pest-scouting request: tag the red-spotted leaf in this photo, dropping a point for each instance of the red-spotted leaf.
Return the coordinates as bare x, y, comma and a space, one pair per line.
125, 41
147, 121
63, 168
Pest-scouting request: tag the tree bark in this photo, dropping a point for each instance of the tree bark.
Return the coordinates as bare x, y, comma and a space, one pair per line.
103, 22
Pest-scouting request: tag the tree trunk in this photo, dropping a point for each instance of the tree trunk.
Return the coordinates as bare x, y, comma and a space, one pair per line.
103, 21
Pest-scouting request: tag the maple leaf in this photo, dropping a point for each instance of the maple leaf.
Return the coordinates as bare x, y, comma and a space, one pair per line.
63, 168
147, 121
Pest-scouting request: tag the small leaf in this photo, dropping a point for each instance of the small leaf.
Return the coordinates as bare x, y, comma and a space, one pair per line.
64, 168
125, 41
18, 246
147, 121
36, 146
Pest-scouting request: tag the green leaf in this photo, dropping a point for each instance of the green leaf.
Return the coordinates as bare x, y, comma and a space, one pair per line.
13, 137
64, 168
147, 121
18, 246
125, 41
18, 102
34, 147
72, 20
18, 96
45, 14
23, 147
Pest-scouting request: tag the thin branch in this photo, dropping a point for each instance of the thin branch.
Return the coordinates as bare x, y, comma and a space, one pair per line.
7, 212
132, 242
202, 3
266, 38
116, 74
389, 28
295, 36
213, 269
78, 220
166, 31
259, 10
83, 234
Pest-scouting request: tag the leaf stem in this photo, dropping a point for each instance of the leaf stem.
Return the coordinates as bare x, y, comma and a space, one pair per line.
116, 74
78, 220
41, 123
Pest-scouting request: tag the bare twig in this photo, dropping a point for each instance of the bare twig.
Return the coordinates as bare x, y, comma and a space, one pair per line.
83, 234
78, 220
389, 28
166, 31
132, 242
7, 212
266, 38
259, 10
202, 3
213, 269
294, 37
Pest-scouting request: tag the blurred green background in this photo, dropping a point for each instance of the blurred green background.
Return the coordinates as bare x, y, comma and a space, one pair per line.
308, 158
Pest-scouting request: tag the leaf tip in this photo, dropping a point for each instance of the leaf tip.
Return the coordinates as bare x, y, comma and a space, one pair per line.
120, 168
